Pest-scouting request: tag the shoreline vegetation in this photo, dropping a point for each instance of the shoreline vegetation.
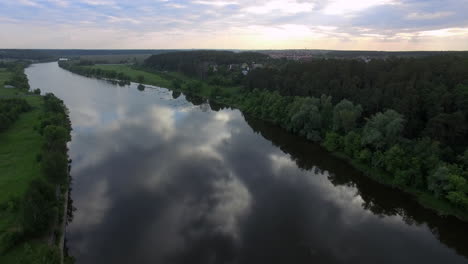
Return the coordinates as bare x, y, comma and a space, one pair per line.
420, 147
34, 169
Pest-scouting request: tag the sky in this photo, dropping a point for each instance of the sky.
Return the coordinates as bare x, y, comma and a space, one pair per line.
235, 24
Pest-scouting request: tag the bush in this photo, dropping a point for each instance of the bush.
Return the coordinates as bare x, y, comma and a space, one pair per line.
333, 141
9, 239
40, 255
10, 109
37, 207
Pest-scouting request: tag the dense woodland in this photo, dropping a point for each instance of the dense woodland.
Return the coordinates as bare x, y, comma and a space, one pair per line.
431, 93
199, 63
52, 54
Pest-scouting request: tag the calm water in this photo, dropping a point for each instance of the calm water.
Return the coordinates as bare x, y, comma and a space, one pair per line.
161, 178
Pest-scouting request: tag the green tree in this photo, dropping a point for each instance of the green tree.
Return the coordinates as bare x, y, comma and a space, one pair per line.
307, 121
333, 141
352, 144
365, 155
464, 159
55, 166
42, 254
326, 110
383, 130
345, 116
438, 181
37, 208
55, 137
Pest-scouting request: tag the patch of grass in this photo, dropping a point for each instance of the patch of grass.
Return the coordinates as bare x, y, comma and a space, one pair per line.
16, 254
17, 156
165, 79
4, 76
19, 146
150, 78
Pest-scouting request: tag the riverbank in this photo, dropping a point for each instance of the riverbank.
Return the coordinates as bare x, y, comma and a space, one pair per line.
31, 218
255, 104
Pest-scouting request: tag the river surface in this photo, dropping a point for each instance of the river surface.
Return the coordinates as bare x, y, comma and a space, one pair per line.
160, 177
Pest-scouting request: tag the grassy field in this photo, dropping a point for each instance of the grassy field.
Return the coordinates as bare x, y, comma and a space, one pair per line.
4, 76
165, 79
17, 160
150, 78
19, 146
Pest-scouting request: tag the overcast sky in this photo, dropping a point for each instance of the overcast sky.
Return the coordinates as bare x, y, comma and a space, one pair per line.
235, 24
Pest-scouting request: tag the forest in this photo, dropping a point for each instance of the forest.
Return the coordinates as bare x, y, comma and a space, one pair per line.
199, 63
431, 92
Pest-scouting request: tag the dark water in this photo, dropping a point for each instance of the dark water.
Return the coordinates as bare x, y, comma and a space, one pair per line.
163, 180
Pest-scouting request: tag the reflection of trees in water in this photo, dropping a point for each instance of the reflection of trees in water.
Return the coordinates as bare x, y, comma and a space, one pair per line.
217, 106
176, 94
194, 99
70, 211
200, 101
379, 199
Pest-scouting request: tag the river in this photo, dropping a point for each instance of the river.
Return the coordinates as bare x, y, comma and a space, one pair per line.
159, 177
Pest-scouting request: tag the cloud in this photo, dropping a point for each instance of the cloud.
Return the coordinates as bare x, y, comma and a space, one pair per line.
236, 24
98, 2
339, 7
61, 3
288, 6
216, 3
423, 16
29, 3
113, 19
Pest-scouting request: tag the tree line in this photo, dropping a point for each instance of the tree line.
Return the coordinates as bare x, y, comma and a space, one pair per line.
198, 63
